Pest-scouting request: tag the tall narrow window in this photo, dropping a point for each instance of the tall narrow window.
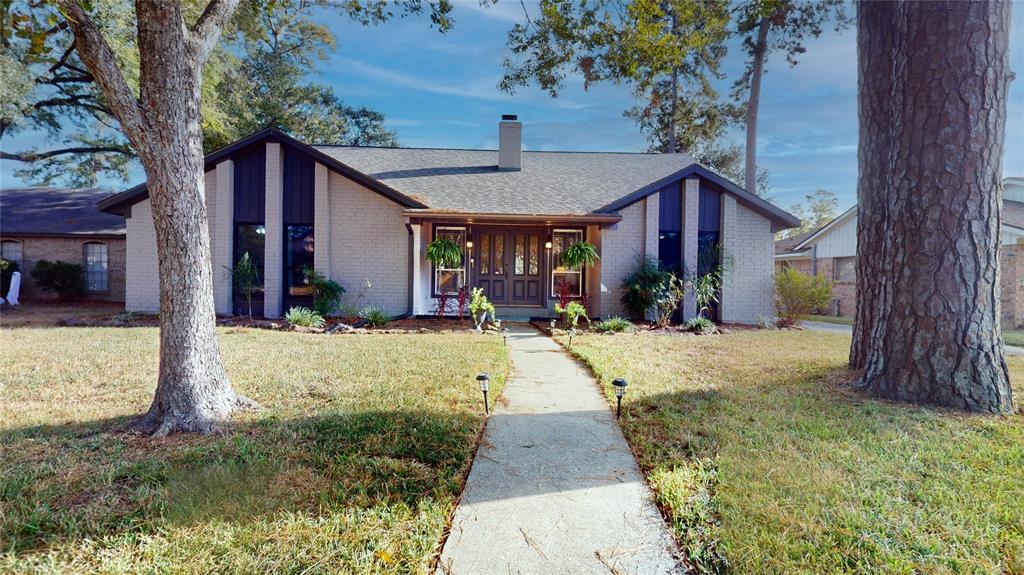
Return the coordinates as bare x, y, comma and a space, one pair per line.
450, 279
10, 250
96, 266
251, 239
573, 279
298, 255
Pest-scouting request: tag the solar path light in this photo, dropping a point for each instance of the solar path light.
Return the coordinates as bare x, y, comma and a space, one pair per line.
620, 390
484, 380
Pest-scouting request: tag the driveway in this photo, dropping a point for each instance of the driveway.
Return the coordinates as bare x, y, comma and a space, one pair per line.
847, 329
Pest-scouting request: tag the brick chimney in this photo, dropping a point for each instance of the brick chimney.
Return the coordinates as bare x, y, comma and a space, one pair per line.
510, 143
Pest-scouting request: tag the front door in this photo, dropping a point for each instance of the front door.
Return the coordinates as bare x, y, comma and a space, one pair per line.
509, 265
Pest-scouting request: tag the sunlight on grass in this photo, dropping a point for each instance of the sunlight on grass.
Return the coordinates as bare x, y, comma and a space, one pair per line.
769, 463
352, 466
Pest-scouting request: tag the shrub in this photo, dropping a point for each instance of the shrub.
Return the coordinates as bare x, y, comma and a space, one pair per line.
375, 316
667, 298
701, 325
444, 253
304, 317
573, 312
798, 294
326, 292
479, 307
644, 285
461, 301
7, 269
614, 324
578, 255
246, 278
65, 279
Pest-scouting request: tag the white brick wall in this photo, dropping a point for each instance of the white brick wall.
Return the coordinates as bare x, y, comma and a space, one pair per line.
220, 200
620, 245
691, 223
142, 277
321, 220
369, 241
749, 242
274, 240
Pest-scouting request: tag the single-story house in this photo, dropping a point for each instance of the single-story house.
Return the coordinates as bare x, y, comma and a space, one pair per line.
64, 224
831, 251
364, 216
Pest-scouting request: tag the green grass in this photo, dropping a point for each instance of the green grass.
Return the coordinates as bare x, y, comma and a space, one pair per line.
1013, 337
767, 462
831, 319
352, 466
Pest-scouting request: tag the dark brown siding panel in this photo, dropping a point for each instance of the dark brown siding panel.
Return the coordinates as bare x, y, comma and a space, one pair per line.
670, 206
298, 187
710, 219
250, 184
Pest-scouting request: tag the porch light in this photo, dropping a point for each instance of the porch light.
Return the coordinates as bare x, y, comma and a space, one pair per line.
469, 244
547, 245
620, 390
484, 380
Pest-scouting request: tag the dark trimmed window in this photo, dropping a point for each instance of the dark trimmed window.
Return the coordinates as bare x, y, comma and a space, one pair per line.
560, 240
96, 264
450, 279
845, 270
298, 253
11, 250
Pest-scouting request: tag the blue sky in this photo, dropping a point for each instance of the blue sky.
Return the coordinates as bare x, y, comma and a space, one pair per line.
440, 90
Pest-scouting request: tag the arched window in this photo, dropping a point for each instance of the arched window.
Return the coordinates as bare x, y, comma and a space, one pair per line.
11, 250
94, 256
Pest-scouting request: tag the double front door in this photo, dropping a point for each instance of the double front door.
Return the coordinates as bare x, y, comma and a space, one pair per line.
509, 264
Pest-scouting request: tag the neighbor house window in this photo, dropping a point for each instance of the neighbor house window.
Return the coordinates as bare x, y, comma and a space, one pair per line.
450, 279
845, 270
10, 250
298, 254
560, 240
96, 266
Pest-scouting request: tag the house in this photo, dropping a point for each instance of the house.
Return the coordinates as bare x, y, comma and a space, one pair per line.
831, 251
64, 224
364, 216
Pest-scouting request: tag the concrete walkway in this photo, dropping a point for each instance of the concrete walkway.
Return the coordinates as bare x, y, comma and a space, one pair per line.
554, 487
848, 329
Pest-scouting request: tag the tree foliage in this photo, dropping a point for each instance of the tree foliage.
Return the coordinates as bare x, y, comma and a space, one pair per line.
822, 208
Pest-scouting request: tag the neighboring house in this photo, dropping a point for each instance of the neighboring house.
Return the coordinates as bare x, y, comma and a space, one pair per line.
831, 251
61, 224
364, 216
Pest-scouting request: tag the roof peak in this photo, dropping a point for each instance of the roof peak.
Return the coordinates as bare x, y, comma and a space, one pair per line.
491, 150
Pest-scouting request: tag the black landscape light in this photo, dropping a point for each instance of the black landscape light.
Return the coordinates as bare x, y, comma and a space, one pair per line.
620, 390
504, 335
553, 322
485, 381
572, 332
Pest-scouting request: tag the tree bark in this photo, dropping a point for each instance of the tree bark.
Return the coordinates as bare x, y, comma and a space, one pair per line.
760, 51
193, 392
933, 81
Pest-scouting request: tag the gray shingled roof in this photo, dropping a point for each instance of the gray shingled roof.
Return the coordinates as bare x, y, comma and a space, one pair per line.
549, 183
58, 211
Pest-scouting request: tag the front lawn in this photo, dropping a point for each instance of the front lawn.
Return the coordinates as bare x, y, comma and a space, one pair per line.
353, 466
1013, 337
767, 462
838, 319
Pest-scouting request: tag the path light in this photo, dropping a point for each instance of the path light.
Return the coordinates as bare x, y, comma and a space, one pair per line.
620, 390
572, 332
504, 336
553, 323
497, 324
484, 380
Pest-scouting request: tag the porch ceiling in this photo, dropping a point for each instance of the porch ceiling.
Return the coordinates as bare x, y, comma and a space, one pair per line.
417, 216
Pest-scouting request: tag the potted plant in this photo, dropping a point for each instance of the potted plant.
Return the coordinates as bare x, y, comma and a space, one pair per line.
444, 253
579, 254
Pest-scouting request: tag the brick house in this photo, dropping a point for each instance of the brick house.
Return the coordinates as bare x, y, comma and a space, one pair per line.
364, 216
61, 224
831, 251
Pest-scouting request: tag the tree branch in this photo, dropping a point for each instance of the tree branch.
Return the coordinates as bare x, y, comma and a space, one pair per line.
208, 27
30, 157
99, 58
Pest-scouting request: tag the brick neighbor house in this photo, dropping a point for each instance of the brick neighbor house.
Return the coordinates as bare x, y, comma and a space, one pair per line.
831, 251
61, 224
364, 216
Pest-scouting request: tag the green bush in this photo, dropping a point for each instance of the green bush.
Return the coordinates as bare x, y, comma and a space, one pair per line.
326, 292
798, 294
479, 307
7, 269
65, 279
573, 312
304, 317
701, 325
375, 316
644, 286
444, 253
578, 255
614, 324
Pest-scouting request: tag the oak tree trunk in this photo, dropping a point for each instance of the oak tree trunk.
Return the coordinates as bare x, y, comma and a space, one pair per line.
757, 72
193, 393
933, 81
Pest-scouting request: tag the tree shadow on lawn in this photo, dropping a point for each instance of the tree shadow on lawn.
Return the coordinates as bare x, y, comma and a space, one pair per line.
67, 483
763, 473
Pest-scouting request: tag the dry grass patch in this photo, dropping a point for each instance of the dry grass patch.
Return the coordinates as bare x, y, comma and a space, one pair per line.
766, 461
353, 466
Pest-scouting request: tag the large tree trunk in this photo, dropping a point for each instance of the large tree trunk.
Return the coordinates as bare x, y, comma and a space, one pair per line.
933, 81
193, 393
753, 103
